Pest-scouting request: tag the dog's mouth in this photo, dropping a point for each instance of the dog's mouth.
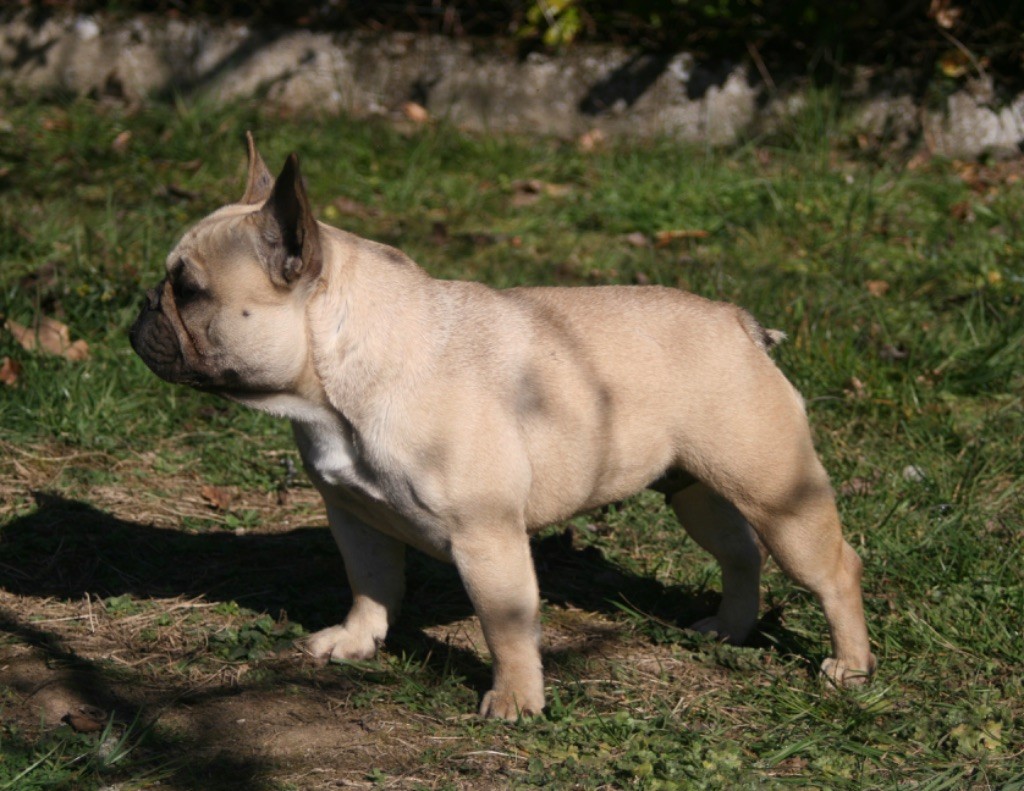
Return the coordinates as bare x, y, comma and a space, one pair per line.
161, 339
158, 336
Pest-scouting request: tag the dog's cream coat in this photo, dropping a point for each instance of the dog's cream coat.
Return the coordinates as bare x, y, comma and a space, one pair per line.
456, 419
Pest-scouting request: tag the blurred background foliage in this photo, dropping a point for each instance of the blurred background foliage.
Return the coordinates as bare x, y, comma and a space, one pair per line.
953, 37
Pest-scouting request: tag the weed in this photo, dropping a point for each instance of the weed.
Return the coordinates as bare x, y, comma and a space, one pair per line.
255, 639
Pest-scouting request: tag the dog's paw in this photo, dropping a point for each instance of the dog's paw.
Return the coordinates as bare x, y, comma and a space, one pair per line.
715, 626
843, 674
509, 706
338, 643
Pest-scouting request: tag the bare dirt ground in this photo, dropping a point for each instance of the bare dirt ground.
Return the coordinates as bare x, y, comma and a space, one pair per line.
109, 607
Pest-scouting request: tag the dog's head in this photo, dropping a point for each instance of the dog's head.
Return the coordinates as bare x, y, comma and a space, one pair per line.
229, 315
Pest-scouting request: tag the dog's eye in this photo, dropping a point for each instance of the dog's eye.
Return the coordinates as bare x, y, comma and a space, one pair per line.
185, 289
184, 282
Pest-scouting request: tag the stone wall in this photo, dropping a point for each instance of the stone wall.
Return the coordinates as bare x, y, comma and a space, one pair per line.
474, 85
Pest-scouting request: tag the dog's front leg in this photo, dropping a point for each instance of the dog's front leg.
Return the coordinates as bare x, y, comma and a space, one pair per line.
497, 570
375, 565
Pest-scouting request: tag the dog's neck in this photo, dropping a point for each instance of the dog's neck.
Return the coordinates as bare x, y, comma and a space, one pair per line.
360, 352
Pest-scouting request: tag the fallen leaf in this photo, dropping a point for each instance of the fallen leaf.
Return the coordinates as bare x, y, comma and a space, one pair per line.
526, 192
962, 211
42, 277
914, 474
856, 487
892, 352
77, 351
920, 160
522, 199
10, 370
50, 336
877, 288
56, 123
86, 719
792, 765
219, 498
352, 208
663, 238
945, 14
178, 193
637, 239
416, 113
483, 239
556, 190
591, 141
856, 388
602, 275
953, 63
973, 175
120, 144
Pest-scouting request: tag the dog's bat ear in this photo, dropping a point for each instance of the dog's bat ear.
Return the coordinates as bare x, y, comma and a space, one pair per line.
260, 182
289, 234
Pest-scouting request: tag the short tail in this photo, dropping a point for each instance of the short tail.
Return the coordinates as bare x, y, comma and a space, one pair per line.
765, 339
772, 338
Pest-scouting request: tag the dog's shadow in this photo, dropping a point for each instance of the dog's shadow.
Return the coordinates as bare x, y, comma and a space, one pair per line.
67, 549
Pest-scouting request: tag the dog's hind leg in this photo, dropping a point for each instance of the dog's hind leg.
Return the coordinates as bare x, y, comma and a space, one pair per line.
793, 511
807, 543
763, 462
717, 526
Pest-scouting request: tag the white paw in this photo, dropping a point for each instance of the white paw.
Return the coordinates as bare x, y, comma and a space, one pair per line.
507, 705
338, 643
844, 674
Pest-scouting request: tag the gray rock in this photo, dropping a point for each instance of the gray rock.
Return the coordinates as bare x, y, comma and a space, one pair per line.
972, 123
606, 88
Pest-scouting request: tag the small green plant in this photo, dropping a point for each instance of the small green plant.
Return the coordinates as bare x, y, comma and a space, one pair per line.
65, 759
555, 22
255, 639
124, 605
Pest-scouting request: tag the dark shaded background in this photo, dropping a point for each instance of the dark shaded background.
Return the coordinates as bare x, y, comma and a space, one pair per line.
821, 39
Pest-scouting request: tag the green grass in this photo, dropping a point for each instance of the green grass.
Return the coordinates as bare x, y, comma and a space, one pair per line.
927, 375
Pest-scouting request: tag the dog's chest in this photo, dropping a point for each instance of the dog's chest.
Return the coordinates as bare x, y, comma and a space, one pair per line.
331, 456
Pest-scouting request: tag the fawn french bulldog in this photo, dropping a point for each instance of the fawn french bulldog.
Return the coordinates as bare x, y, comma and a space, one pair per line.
457, 419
